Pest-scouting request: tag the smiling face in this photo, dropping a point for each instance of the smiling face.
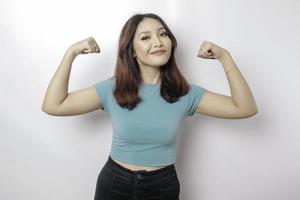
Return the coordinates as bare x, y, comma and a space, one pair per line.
151, 36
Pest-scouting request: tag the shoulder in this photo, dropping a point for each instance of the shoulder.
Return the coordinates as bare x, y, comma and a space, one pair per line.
106, 82
110, 80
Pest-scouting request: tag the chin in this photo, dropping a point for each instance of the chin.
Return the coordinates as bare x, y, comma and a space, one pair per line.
158, 64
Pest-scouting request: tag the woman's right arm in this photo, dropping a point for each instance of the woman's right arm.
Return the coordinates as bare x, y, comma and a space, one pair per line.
57, 100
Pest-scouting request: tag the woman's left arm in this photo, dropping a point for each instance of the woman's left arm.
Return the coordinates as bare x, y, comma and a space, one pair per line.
240, 91
241, 104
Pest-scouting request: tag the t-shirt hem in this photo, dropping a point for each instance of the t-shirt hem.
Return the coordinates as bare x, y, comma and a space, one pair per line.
138, 158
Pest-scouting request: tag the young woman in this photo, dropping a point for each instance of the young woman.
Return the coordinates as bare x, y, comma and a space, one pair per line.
147, 98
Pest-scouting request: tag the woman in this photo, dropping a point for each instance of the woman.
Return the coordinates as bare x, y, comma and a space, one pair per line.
147, 98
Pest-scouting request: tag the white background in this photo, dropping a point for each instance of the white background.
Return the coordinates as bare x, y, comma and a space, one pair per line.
58, 158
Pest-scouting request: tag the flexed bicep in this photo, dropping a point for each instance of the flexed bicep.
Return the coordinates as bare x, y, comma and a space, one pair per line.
78, 102
219, 105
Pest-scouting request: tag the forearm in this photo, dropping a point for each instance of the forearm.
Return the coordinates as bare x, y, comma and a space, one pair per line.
57, 90
240, 91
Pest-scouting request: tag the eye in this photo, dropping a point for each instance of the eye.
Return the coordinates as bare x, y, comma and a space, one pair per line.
165, 33
143, 38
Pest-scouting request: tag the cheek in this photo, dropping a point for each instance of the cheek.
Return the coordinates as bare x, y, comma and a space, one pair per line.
142, 49
169, 42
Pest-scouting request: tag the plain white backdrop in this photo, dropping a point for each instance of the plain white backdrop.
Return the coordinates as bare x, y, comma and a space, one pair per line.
59, 158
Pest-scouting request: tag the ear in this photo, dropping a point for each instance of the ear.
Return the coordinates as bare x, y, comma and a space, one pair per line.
134, 55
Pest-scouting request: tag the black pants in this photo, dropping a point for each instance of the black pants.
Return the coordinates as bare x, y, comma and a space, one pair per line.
116, 182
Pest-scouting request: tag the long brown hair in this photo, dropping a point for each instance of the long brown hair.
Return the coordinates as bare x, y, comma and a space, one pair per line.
127, 72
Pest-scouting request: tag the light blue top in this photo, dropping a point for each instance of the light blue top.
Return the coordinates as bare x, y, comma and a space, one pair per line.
147, 135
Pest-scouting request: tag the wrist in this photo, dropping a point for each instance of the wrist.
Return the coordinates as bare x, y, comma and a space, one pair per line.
227, 62
224, 56
229, 70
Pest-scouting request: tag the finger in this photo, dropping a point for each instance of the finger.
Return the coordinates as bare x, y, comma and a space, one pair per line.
98, 48
200, 52
95, 46
204, 54
211, 56
91, 46
95, 43
87, 50
207, 53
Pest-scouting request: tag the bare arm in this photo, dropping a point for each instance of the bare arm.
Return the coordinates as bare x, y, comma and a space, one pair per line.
241, 104
57, 90
240, 91
57, 100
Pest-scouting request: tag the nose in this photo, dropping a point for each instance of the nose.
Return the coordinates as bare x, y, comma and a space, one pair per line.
158, 42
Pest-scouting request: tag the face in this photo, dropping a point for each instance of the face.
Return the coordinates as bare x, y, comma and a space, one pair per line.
149, 37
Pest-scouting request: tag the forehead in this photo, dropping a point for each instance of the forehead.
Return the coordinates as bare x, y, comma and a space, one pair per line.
148, 24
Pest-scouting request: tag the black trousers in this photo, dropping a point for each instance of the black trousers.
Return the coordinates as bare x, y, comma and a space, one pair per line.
116, 182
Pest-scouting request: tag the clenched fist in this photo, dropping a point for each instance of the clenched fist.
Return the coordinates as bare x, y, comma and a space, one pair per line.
85, 46
209, 50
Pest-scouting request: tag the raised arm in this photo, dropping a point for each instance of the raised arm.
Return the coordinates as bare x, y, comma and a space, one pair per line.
241, 103
58, 101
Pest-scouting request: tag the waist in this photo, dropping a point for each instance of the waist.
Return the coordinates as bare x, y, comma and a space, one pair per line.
144, 157
139, 175
137, 167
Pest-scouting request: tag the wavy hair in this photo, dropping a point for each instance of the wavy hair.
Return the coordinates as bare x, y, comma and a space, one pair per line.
127, 73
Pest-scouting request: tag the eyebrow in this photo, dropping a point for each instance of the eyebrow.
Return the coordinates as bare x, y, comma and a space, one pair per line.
150, 31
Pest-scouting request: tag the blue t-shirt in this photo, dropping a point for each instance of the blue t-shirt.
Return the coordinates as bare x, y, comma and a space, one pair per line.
147, 135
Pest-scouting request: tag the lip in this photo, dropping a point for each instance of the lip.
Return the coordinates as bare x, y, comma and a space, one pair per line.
159, 52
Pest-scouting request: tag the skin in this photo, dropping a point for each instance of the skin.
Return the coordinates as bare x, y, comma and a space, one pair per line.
241, 103
144, 43
59, 102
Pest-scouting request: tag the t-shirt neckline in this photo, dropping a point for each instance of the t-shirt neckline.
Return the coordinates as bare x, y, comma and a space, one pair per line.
151, 84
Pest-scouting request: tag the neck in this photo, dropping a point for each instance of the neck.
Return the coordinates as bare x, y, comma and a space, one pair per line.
150, 75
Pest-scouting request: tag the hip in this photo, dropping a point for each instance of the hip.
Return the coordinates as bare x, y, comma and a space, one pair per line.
118, 182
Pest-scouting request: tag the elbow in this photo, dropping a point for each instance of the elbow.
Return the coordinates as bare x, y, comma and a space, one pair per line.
47, 110
43, 108
53, 110
255, 111
251, 113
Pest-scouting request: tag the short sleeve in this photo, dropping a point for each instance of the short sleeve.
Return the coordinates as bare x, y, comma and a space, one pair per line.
194, 97
103, 90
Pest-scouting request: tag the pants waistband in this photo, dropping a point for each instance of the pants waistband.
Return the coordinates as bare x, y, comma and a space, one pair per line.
125, 171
